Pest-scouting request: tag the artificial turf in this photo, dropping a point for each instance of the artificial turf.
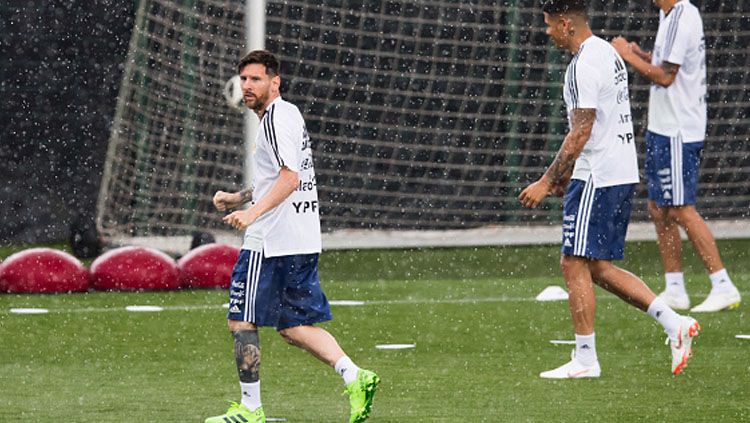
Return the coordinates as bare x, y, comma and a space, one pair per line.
480, 340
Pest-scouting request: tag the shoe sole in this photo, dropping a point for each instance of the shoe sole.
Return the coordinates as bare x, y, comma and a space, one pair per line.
732, 306
370, 389
569, 376
693, 331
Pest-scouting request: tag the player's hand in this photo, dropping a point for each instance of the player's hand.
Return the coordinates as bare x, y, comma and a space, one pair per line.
240, 219
533, 194
227, 200
623, 47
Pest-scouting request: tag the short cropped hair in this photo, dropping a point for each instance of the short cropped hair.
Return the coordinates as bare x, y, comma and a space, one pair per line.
263, 57
558, 7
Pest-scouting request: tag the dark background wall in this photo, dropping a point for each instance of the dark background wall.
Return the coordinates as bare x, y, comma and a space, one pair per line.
61, 65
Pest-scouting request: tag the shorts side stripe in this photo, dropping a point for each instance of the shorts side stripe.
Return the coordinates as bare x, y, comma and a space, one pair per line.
251, 280
680, 182
673, 151
678, 197
590, 190
247, 285
682, 173
256, 264
582, 218
579, 218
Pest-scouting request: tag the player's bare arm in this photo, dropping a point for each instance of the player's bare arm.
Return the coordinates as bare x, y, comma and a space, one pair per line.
556, 176
285, 184
663, 75
231, 200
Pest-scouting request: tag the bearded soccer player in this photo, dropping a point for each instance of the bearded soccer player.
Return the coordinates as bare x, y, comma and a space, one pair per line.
275, 280
598, 158
677, 118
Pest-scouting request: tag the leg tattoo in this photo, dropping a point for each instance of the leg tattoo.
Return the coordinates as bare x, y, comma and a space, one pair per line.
247, 354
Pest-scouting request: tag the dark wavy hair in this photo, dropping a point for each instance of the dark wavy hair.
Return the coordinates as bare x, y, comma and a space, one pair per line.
263, 57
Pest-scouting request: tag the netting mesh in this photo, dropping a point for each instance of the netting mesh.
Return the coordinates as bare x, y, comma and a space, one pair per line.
175, 140
423, 115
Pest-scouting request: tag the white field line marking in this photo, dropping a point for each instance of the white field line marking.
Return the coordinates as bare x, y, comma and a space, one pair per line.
395, 346
410, 301
346, 302
29, 311
120, 309
143, 308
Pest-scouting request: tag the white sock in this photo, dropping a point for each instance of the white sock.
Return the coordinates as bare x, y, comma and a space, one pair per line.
251, 395
586, 349
346, 368
675, 282
720, 280
670, 320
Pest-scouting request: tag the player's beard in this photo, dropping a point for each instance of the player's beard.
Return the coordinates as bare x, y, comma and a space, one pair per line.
255, 102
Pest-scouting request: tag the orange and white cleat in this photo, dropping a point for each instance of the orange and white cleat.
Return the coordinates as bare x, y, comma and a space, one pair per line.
682, 344
573, 369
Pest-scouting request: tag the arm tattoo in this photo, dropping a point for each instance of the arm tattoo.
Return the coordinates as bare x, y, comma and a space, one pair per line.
582, 121
246, 195
247, 355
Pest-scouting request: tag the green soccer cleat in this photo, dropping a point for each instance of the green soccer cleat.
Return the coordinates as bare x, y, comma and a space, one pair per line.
238, 413
361, 391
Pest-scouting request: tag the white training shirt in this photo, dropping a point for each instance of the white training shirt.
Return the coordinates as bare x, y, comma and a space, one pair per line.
596, 78
292, 227
680, 109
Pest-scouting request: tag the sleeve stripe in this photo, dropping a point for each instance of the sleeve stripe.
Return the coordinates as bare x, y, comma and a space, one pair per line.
265, 128
573, 80
619, 67
672, 31
270, 131
571, 75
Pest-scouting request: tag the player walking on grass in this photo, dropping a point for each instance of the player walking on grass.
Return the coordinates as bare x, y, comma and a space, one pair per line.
674, 141
275, 281
597, 162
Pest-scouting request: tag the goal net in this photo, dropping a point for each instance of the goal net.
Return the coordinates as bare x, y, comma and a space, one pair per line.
427, 118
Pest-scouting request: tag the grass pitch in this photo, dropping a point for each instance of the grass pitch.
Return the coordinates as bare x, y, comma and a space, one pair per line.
480, 340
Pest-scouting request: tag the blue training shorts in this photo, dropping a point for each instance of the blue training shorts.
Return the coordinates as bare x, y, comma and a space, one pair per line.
595, 220
282, 292
672, 170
